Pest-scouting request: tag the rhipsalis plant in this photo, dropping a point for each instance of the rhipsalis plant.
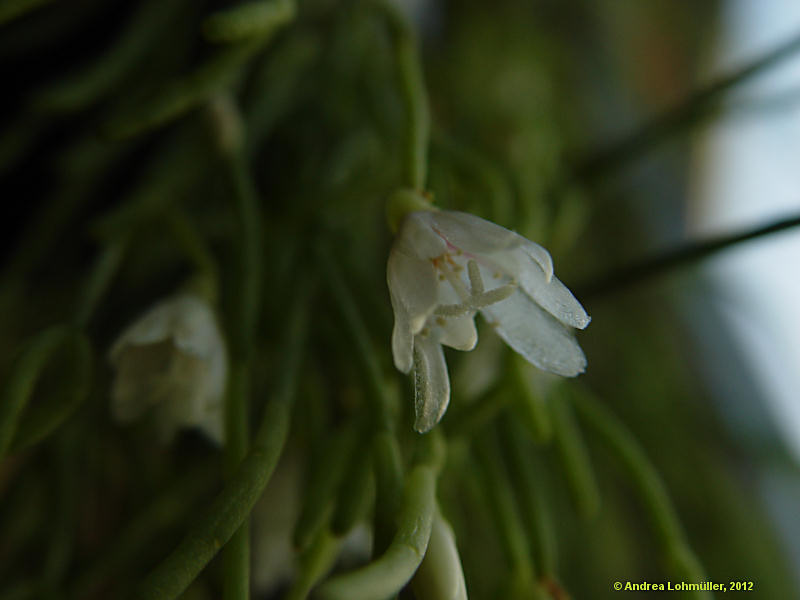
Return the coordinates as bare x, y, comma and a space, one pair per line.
197, 340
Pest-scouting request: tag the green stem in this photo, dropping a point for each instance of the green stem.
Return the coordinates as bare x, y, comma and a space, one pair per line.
658, 265
388, 574
43, 418
145, 27
497, 487
236, 556
323, 485
245, 312
105, 267
649, 487
21, 383
355, 493
530, 403
197, 251
532, 503
388, 466
315, 562
259, 19
575, 458
233, 505
141, 532
415, 97
685, 114
355, 327
244, 322
213, 76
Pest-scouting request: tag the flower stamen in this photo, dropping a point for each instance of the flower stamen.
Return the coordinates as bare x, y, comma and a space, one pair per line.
492, 296
475, 281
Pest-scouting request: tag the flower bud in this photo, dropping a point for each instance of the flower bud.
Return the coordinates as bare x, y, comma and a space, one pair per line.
172, 362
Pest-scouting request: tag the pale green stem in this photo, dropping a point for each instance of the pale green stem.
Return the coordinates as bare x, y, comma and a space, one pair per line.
244, 322
43, 418
236, 556
531, 404
250, 19
532, 503
649, 487
105, 268
233, 505
498, 491
385, 576
315, 563
211, 77
354, 326
320, 495
385, 448
575, 458
355, 492
388, 466
24, 373
134, 540
415, 97
76, 91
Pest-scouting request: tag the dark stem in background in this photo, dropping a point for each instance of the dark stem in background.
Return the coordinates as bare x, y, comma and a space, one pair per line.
657, 265
675, 120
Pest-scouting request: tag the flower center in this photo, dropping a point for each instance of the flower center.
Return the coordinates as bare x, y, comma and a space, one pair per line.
471, 298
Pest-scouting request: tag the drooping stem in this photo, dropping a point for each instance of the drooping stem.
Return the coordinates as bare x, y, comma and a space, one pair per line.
415, 97
99, 279
679, 118
692, 252
385, 576
233, 505
649, 487
244, 321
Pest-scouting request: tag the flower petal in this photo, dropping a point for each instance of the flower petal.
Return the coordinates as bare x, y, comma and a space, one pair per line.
478, 237
555, 298
195, 326
417, 236
458, 332
549, 293
537, 336
431, 383
402, 341
412, 286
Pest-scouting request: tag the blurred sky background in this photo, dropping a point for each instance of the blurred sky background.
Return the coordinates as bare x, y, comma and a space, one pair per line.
746, 168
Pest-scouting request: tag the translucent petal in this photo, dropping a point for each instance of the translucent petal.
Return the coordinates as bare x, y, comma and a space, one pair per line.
431, 383
402, 341
187, 320
478, 237
413, 286
458, 332
195, 327
417, 237
154, 326
550, 294
537, 336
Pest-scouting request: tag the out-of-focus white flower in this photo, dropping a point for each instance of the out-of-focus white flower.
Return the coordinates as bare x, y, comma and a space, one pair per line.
444, 267
172, 360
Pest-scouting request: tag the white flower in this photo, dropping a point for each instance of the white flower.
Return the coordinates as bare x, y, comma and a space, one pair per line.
444, 267
172, 360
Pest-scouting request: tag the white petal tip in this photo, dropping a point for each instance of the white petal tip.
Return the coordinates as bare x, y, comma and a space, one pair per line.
423, 426
403, 364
